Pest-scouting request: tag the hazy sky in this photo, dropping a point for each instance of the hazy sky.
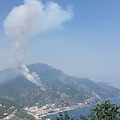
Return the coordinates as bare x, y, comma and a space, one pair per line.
87, 45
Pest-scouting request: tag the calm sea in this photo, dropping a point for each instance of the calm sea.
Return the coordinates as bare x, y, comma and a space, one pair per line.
79, 111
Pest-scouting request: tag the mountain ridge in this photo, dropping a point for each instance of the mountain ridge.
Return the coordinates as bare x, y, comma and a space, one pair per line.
56, 87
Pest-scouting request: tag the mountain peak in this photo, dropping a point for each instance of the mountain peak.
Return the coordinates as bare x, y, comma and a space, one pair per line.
54, 87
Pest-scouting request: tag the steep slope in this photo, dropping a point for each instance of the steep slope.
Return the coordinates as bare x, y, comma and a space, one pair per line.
8, 74
79, 88
11, 111
25, 93
55, 87
58, 81
104, 90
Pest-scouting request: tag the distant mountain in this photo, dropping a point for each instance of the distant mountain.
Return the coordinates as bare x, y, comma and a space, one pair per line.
8, 74
55, 87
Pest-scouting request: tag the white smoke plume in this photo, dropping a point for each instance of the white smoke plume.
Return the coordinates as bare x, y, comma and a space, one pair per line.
28, 20
37, 78
26, 73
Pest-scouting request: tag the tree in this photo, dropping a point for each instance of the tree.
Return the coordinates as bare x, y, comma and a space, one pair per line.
63, 117
105, 111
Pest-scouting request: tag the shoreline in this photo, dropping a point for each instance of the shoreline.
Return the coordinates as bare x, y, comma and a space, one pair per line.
72, 108
40, 113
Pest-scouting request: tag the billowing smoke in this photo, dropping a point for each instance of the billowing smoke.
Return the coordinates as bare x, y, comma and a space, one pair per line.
28, 20
26, 73
37, 78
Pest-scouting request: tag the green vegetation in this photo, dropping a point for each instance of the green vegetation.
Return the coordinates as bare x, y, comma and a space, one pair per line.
57, 88
15, 118
6, 107
4, 111
63, 117
105, 111
24, 115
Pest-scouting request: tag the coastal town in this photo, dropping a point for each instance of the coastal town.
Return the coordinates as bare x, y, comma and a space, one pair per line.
10, 111
50, 109
37, 112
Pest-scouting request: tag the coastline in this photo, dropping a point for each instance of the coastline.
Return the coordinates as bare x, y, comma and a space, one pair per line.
47, 111
73, 108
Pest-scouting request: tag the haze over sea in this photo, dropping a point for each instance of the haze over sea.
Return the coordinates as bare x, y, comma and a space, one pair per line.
75, 113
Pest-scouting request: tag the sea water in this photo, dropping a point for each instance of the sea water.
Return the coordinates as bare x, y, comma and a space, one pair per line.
75, 113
